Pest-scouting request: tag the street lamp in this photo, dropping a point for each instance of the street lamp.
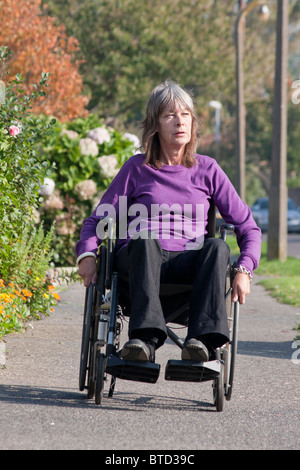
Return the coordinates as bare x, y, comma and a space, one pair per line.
264, 13
217, 107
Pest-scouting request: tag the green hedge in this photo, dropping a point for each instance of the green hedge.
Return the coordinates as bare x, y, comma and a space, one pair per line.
25, 251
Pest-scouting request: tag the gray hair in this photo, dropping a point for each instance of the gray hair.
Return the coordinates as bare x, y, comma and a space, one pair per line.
166, 94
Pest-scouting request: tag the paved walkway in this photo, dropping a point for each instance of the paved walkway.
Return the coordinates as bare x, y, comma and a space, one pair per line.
42, 408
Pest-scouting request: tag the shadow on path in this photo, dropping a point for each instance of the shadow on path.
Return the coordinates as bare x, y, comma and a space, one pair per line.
125, 401
276, 350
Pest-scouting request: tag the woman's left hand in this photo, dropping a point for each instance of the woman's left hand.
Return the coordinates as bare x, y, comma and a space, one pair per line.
240, 287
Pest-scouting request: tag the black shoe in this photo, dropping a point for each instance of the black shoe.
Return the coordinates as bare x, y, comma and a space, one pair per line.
194, 350
138, 350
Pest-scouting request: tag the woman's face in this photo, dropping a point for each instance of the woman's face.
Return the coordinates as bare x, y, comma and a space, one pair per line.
175, 127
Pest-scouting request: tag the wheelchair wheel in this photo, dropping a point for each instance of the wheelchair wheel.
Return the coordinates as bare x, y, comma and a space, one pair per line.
86, 332
233, 348
101, 360
219, 387
91, 379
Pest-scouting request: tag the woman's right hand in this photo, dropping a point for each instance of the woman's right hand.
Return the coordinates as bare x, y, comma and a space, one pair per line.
87, 270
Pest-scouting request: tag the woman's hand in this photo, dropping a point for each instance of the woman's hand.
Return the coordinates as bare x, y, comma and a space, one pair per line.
240, 287
87, 269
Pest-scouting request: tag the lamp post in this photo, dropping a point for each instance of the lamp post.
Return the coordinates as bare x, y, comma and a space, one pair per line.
217, 107
277, 233
240, 106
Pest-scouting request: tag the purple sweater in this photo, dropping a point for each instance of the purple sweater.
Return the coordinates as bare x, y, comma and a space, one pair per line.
172, 202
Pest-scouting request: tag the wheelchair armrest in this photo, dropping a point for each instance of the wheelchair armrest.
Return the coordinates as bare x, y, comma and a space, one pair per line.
224, 228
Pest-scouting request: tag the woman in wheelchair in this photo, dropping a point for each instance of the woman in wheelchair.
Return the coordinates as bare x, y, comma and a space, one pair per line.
160, 200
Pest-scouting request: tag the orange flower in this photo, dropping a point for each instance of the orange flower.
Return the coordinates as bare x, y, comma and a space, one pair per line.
56, 296
5, 298
27, 293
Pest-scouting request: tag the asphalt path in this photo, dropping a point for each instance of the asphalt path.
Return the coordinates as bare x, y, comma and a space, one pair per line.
41, 407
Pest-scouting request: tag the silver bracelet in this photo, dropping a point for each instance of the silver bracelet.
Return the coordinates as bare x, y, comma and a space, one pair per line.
243, 270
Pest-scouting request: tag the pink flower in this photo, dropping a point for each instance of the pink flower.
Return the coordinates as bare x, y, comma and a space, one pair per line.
14, 130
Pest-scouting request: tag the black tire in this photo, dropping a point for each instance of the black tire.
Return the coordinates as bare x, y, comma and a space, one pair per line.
100, 377
218, 386
91, 380
99, 291
86, 332
219, 390
233, 348
229, 310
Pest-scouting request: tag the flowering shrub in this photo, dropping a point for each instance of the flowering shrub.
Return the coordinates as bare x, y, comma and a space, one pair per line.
76, 148
86, 155
20, 168
25, 251
26, 291
88, 146
100, 135
14, 130
86, 190
108, 166
18, 304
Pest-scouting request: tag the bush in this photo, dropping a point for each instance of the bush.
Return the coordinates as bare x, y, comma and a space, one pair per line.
29, 292
21, 171
85, 156
24, 250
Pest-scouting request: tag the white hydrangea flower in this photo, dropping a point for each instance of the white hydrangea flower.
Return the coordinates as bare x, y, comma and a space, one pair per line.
88, 146
108, 166
70, 134
99, 135
133, 138
47, 188
64, 224
54, 201
86, 189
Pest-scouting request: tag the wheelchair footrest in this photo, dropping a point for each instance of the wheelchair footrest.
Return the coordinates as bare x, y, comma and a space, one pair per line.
190, 371
132, 370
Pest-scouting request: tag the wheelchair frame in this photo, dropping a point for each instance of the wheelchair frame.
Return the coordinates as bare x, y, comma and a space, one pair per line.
101, 331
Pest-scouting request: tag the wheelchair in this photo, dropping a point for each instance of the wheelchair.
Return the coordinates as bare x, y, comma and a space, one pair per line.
104, 312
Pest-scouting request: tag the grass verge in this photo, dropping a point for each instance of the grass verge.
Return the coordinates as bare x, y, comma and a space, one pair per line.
283, 281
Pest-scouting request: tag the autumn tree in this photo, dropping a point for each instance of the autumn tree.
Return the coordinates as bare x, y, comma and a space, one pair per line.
38, 45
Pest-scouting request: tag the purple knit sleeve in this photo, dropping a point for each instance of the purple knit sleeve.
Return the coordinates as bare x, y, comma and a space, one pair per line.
236, 212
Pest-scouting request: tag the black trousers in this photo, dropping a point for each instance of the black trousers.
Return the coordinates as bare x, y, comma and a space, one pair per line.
147, 266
